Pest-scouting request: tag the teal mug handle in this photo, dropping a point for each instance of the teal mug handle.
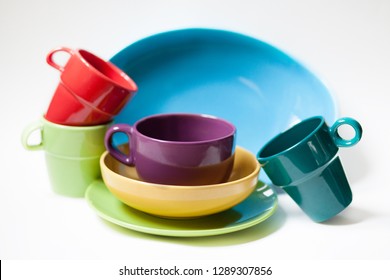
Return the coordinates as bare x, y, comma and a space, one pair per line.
38, 125
341, 142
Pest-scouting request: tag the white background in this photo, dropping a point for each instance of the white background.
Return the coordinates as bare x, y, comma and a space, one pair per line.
347, 43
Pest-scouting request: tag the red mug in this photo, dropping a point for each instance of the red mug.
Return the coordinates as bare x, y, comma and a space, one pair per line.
91, 91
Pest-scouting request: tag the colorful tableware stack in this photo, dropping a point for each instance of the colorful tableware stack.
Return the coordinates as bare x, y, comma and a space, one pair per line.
176, 166
179, 165
90, 93
172, 154
254, 85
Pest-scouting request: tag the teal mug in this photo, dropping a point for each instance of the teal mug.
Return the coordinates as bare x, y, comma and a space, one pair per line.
303, 161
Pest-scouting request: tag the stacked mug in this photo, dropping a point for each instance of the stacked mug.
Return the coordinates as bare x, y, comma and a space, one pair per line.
91, 92
304, 162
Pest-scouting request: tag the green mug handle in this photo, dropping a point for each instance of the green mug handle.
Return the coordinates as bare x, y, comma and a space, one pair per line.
38, 125
341, 142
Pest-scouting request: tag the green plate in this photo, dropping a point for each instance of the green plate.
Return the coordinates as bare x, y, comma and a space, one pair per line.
259, 206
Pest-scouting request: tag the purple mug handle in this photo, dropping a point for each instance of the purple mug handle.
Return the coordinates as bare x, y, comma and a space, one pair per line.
128, 130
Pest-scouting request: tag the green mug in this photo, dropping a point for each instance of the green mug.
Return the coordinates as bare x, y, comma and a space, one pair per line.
71, 152
303, 161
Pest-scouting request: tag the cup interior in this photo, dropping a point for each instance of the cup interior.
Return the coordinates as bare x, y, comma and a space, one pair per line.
185, 128
108, 70
290, 138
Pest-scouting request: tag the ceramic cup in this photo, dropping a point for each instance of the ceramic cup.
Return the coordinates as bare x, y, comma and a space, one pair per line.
303, 161
91, 91
178, 149
72, 154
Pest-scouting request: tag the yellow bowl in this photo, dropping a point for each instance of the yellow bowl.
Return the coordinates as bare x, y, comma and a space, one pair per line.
173, 201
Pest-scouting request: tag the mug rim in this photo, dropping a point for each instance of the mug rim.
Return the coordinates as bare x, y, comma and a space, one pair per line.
124, 78
284, 151
231, 126
73, 127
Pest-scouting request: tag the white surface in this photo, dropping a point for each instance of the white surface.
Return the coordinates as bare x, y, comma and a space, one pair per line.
347, 44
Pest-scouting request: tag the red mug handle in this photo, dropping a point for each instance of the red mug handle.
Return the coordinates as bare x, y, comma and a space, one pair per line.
51, 62
128, 130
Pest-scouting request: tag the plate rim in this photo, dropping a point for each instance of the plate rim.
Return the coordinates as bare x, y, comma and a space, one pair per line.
179, 232
253, 37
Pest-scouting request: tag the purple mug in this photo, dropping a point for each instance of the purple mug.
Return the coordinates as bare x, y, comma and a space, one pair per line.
177, 149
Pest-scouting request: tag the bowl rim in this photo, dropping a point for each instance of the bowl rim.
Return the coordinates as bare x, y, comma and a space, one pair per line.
255, 172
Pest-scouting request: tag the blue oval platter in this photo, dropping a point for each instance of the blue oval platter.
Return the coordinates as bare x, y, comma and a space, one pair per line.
250, 83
